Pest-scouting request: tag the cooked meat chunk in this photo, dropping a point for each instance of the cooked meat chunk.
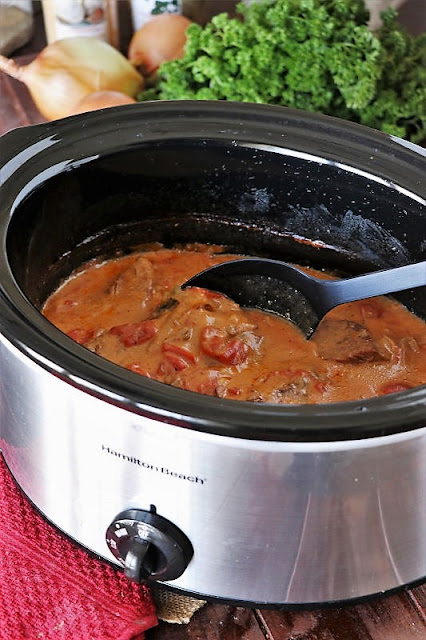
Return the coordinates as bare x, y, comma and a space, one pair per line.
346, 341
136, 280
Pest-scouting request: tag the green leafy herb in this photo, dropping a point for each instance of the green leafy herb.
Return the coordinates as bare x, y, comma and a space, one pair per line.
317, 55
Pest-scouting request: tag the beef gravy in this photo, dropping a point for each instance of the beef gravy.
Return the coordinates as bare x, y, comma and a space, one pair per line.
131, 310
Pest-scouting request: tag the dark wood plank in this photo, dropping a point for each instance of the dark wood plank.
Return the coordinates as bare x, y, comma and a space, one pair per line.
400, 616
396, 617
212, 622
418, 597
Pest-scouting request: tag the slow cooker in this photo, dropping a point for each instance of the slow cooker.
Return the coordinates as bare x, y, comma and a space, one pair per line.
266, 505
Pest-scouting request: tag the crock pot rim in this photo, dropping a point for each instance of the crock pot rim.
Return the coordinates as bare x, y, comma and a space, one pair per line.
237, 114
360, 419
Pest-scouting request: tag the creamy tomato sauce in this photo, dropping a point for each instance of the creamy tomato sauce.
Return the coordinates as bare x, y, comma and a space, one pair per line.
131, 310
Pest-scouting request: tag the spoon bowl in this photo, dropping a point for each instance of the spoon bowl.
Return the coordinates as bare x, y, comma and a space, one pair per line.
272, 285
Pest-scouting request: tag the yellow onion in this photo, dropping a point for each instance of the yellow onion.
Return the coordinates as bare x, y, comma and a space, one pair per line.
101, 100
67, 70
160, 39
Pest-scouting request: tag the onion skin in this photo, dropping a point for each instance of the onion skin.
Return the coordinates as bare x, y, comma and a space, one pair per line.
159, 40
101, 100
67, 70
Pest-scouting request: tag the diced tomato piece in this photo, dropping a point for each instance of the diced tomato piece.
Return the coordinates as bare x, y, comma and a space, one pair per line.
321, 387
394, 387
177, 362
138, 369
236, 352
161, 369
208, 386
216, 344
183, 352
212, 341
80, 335
134, 333
234, 391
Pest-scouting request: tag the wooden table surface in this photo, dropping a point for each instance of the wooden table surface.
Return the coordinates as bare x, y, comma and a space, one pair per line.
399, 616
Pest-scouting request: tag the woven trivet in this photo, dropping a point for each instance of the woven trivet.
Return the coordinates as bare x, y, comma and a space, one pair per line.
173, 607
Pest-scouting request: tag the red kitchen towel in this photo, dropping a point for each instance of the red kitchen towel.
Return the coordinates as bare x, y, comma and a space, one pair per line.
52, 590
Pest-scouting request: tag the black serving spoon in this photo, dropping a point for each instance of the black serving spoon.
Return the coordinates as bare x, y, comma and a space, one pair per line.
277, 286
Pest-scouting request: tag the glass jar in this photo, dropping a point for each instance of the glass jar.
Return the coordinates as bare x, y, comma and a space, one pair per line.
143, 10
68, 18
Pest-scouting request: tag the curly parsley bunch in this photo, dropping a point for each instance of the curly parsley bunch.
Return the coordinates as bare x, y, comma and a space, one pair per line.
317, 55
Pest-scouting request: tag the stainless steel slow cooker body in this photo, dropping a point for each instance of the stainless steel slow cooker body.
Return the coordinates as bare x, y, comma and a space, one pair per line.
260, 504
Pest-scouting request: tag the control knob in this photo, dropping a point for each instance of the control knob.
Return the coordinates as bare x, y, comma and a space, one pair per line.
148, 545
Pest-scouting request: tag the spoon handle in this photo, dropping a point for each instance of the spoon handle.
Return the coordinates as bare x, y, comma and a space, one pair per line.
377, 283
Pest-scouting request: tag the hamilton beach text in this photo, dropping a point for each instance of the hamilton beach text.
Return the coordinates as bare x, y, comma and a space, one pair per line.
152, 467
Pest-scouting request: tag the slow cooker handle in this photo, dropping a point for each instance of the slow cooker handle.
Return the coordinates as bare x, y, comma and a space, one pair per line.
148, 545
31, 140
